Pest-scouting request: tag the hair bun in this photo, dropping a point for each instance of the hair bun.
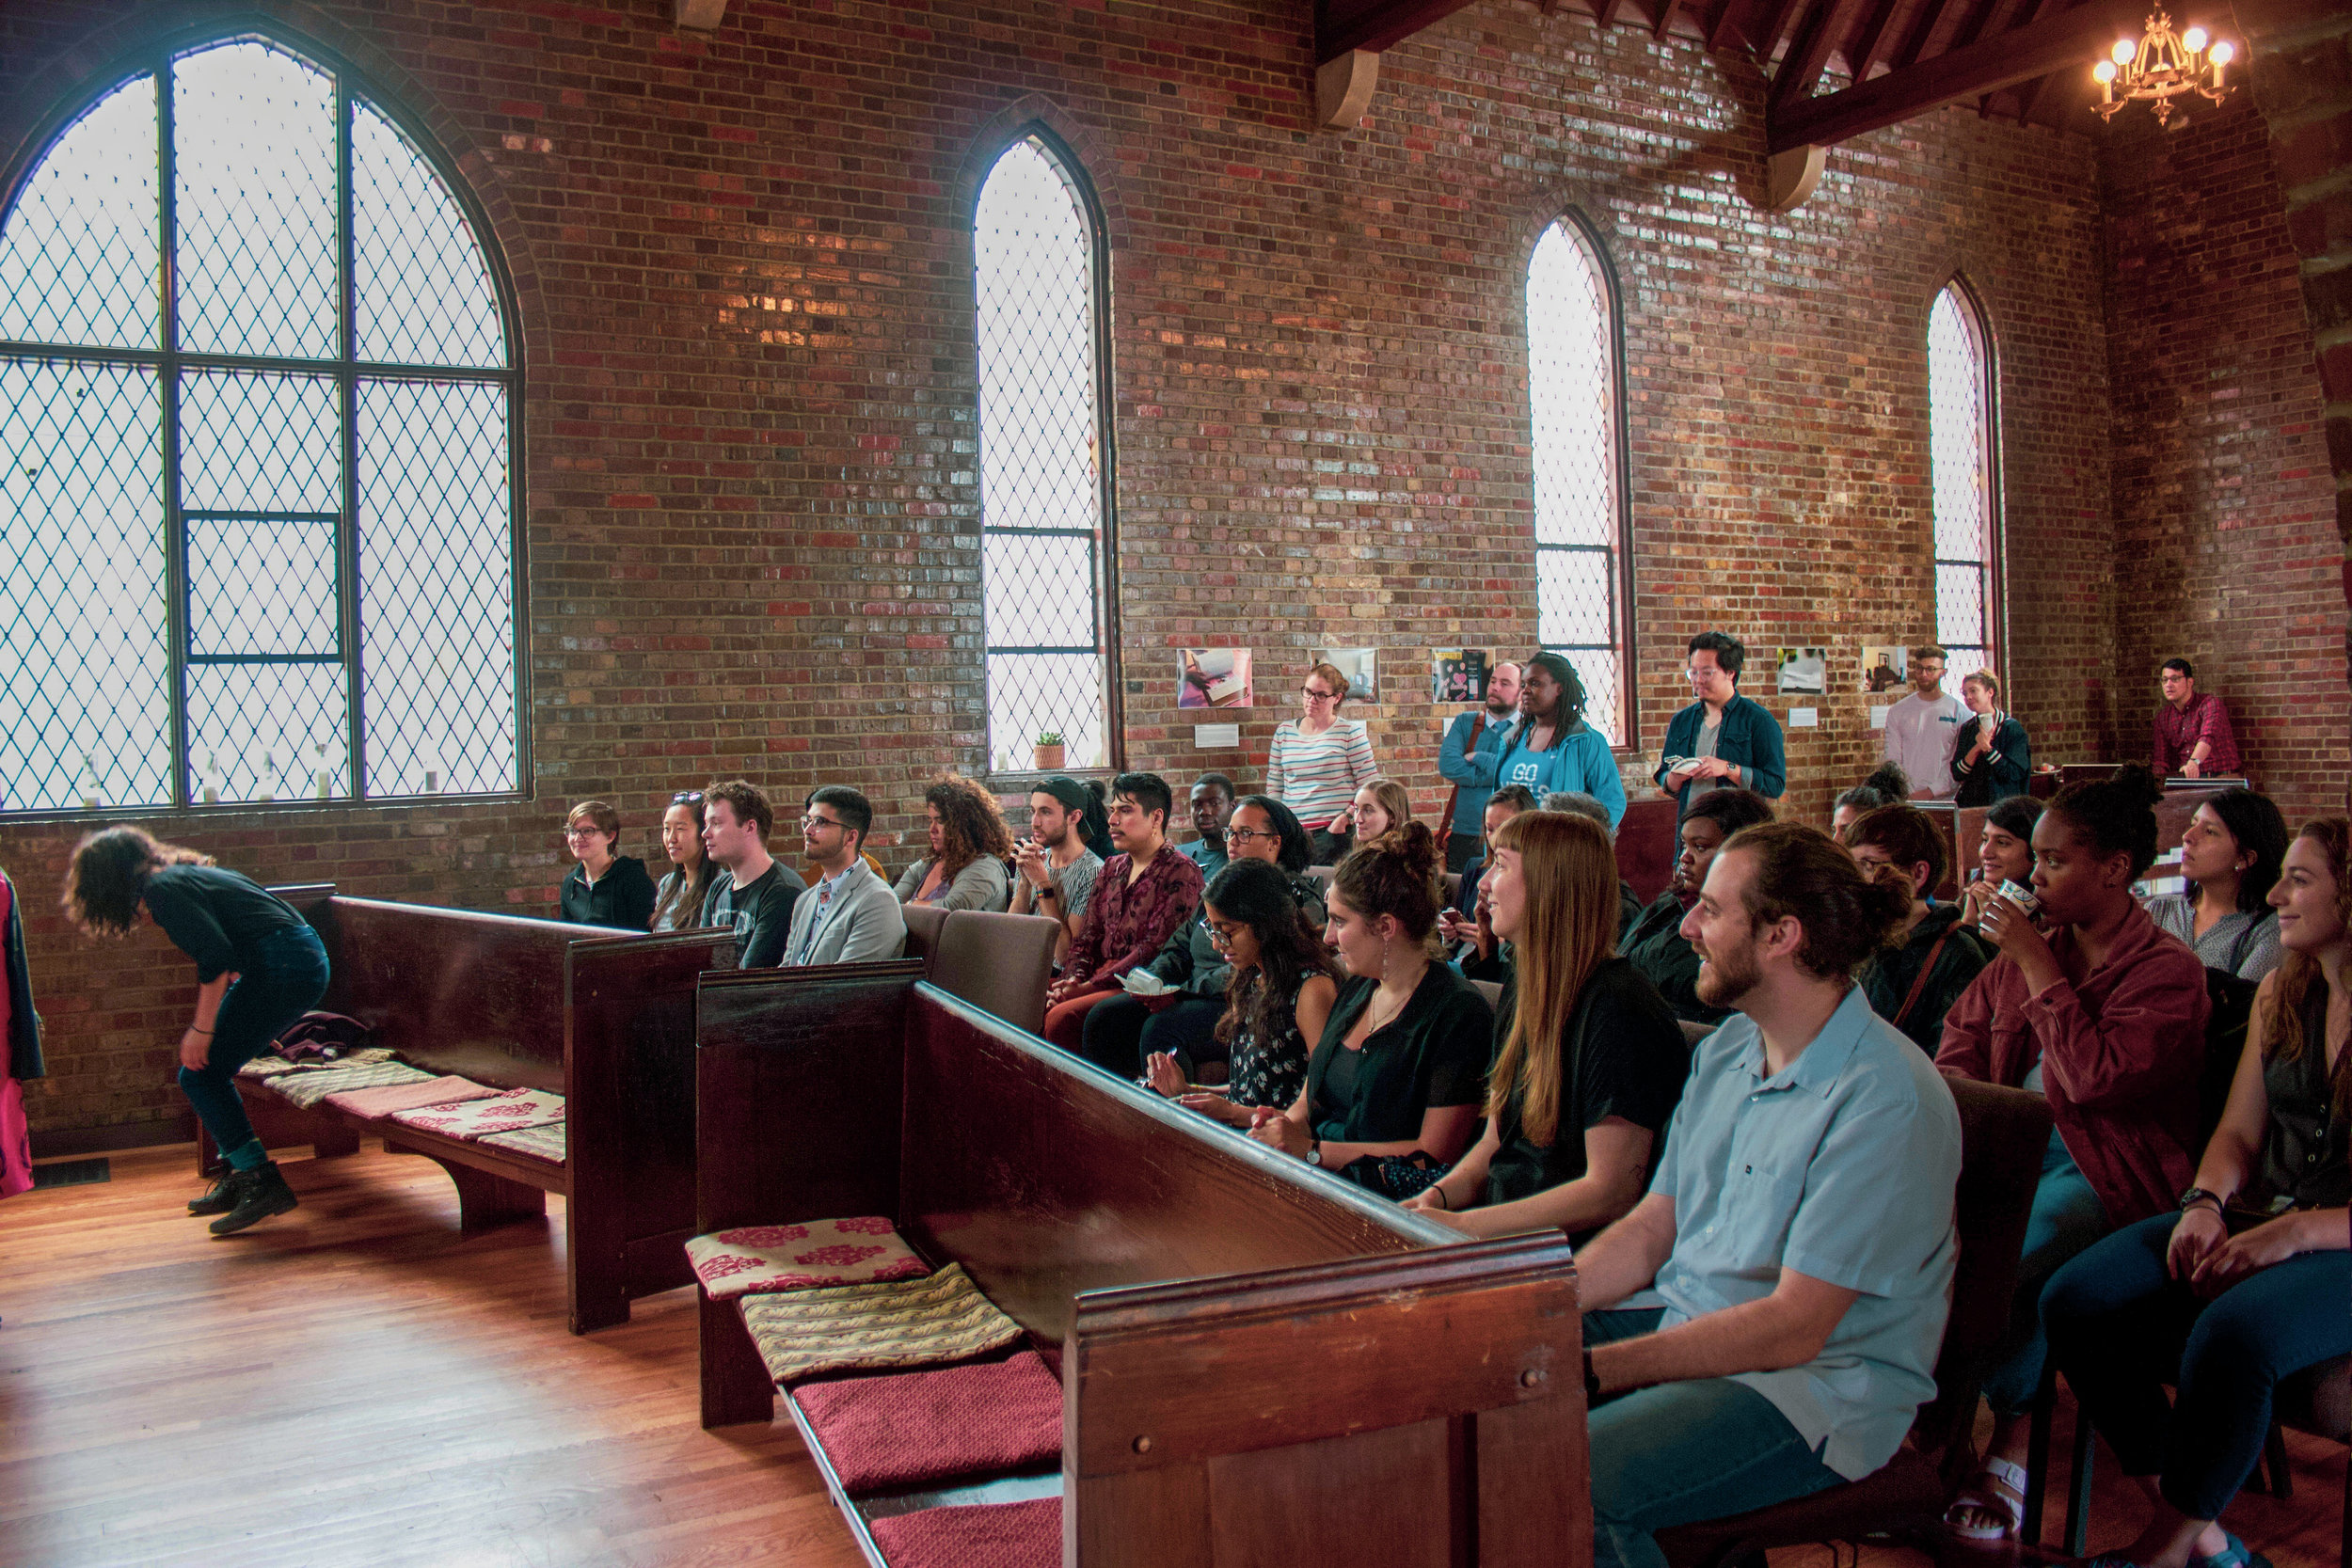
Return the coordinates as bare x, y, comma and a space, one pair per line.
2136, 783
1416, 845
1890, 780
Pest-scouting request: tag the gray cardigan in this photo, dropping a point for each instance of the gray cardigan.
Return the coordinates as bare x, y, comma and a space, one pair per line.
863, 923
982, 885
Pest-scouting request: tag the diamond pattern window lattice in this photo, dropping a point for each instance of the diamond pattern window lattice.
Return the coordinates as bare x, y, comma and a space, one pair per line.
266, 732
79, 258
425, 295
1958, 397
260, 442
261, 586
1041, 459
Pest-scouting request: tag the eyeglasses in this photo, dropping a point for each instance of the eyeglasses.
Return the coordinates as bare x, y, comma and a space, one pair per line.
1244, 835
1221, 933
811, 823
687, 798
583, 833
1314, 696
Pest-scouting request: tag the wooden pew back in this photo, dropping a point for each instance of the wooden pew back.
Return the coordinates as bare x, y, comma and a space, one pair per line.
1647, 846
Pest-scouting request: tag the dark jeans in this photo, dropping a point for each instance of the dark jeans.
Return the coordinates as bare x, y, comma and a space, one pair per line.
1123, 1032
2120, 1329
259, 1007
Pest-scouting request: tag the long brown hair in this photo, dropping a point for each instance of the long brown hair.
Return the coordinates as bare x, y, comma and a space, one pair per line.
2283, 1026
108, 876
969, 824
1290, 952
1393, 799
1570, 930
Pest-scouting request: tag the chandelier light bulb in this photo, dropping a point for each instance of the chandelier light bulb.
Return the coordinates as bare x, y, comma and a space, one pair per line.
2223, 53
2126, 51
2102, 72
2194, 40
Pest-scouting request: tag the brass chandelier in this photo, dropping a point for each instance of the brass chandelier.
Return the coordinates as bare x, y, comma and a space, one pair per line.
2160, 67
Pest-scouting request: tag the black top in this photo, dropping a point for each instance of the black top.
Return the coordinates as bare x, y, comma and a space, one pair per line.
1431, 1053
2305, 1154
1656, 947
1887, 976
1270, 1074
1628, 911
218, 918
622, 897
1990, 780
1624, 1056
760, 911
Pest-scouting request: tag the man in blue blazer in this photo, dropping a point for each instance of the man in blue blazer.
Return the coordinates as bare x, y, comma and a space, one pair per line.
1722, 741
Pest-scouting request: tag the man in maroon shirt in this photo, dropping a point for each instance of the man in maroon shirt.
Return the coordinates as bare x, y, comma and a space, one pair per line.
2193, 736
1141, 894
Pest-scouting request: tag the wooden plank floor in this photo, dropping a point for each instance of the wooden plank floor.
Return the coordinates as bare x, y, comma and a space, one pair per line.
353, 1383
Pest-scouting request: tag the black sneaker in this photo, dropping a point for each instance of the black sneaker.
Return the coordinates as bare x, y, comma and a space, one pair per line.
265, 1194
223, 1195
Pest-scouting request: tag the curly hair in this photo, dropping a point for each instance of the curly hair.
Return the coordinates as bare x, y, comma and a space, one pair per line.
108, 876
2114, 815
969, 824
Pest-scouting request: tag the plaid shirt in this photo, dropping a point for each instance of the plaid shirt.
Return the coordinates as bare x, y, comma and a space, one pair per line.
2179, 730
1125, 924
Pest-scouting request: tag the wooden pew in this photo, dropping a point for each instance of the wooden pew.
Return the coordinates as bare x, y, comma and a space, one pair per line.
1647, 847
1260, 1362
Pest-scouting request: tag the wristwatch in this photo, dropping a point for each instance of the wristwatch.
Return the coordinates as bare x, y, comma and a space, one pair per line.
2196, 1196
1314, 1152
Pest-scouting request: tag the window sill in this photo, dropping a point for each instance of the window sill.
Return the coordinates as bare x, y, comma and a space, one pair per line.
107, 815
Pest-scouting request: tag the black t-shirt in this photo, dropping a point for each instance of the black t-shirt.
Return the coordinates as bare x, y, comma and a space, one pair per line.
1656, 947
760, 911
1431, 1053
623, 897
218, 918
1622, 1053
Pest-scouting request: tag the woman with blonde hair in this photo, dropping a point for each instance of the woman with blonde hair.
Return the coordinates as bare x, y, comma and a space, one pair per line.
1589, 1060
1381, 806
969, 865
1991, 759
1319, 760
259, 967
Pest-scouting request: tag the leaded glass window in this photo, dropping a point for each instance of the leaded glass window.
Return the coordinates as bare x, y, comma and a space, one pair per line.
1960, 426
1572, 373
257, 513
1043, 439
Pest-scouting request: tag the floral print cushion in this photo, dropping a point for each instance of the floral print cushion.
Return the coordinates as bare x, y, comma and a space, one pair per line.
510, 1112
376, 1103
761, 1258
543, 1142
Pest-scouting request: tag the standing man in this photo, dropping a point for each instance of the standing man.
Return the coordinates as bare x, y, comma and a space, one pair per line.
2193, 736
750, 892
1056, 869
852, 916
1463, 823
1212, 803
1799, 1229
1724, 741
1919, 729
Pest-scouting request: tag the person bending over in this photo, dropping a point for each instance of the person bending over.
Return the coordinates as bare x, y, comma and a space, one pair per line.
1278, 992
2104, 1017
259, 967
2231, 855
1656, 945
1054, 870
2246, 1283
2004, 854
1146, 893
1401, 1066
605, 888
1589, 1061
677, 903
1914, 984
851, 915
751, 894
1800, 1228
971, 846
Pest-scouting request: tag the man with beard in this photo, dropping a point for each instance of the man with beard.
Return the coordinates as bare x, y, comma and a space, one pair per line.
1463, 822
1799, 1230
1056, 869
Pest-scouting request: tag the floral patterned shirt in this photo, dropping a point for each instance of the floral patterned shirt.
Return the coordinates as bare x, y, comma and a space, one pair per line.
1126, 922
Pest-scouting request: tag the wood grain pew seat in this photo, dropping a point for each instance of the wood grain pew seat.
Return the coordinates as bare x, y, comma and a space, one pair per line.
1259, 1363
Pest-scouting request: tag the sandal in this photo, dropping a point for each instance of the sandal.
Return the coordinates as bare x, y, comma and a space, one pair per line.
2237, 1554
1999, 1488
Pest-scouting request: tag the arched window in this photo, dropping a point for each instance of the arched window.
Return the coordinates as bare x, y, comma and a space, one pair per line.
257, 518
1044, 441
1960, 435
1581, 592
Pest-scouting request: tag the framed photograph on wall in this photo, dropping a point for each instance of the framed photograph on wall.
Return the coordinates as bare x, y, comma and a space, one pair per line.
1804, 670
1885, 669
1213, 678
1363, 684
1457, 676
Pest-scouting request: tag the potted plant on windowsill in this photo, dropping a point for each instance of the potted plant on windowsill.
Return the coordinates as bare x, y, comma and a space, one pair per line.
1049, 751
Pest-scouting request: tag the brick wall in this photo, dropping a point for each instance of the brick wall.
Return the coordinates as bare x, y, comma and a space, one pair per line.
751, 512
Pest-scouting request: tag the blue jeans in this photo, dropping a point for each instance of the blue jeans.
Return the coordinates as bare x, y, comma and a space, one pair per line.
259, 1007
2067, 1217
2120, 1329
1684, 1451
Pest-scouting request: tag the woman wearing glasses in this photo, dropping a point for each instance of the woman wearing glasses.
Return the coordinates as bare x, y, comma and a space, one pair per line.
678, 904
605, 888
1320, 760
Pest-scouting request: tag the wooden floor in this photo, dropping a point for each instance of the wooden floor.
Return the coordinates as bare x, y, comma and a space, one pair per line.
355, 1384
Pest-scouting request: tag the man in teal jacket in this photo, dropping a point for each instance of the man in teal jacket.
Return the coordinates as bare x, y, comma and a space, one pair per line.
1722, 741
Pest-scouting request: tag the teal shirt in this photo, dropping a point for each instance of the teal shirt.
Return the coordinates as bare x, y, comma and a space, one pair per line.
1841, 1168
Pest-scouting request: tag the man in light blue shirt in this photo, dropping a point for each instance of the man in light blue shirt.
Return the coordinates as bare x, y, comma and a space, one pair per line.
1798, 1233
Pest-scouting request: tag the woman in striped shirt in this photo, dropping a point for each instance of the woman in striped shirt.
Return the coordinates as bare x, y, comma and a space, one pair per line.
1320, 761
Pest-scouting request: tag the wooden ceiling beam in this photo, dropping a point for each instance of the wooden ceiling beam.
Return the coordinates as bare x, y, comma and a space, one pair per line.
1605, 12
1777, 22
1809, 54
1665, 18
1372, 25
2071, 41
1719, 31
1862, 51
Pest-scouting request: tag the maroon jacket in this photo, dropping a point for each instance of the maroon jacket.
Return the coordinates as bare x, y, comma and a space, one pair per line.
1125, 925
2122, 1053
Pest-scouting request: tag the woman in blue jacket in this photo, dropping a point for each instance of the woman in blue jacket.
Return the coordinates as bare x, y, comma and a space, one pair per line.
1550, 749
1722, 741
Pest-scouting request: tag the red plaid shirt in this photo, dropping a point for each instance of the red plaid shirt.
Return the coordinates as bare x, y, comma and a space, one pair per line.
2179, 730
1126, 923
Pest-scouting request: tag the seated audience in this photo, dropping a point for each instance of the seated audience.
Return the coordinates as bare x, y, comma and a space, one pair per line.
1319, 761
1887, 785
811, 873
2246, 1283
1278, 992
677, 903
2193, 736
1479, 730
1800, 1227
1589, 1061
1656, 945
1914, 984
751, 893
850, 915
1146, 893
1380, 806
1459, 928
1054, 867
2004, 854
2231, 855
1579, 804
1991, 760
1550, 748
2104, 1017
1723, 740
1212, 802
1919, 728
1400, 1067
605, 888
1182, 1022
971, 848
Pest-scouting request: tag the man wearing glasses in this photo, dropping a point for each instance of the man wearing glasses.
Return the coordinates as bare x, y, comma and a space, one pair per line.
1723, 740
750, 893
851, 917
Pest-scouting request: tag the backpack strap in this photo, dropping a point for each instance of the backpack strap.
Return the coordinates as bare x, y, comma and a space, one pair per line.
1921, 983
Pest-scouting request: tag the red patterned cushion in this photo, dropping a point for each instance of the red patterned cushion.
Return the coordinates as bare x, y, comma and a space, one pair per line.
973, 1535
913, 1428
793, 1257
